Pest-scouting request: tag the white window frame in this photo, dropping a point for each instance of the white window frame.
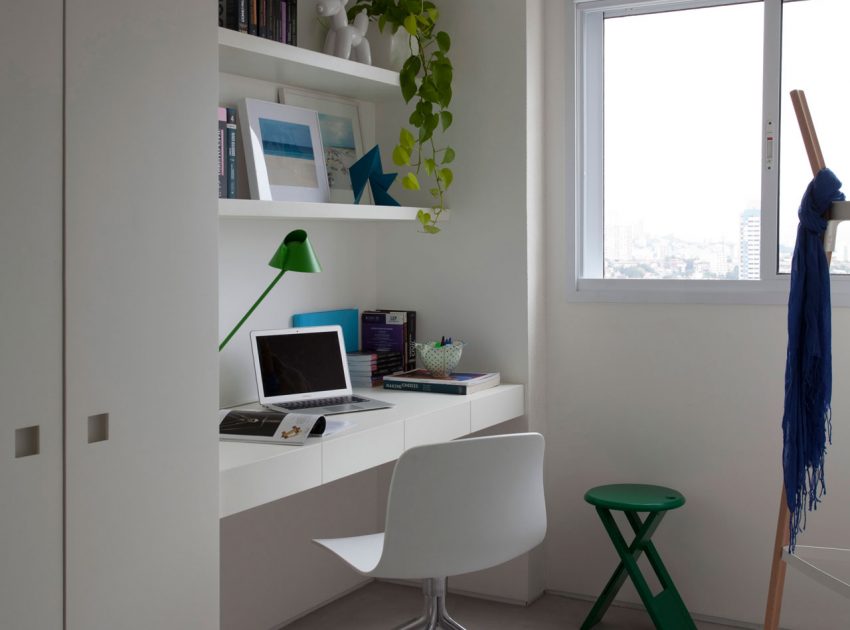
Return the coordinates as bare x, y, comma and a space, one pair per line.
585, 219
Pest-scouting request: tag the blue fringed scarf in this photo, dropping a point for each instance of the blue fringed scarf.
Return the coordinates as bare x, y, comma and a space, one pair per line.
806, 423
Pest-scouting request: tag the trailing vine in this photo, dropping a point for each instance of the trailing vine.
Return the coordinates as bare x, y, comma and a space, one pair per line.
426, 79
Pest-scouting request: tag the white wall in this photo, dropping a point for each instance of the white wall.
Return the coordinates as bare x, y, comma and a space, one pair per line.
471, 281
688, 396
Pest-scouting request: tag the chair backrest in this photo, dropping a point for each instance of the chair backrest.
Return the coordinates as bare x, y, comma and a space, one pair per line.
463, 506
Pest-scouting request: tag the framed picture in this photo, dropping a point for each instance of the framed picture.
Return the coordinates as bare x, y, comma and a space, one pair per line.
283, 152
339, 122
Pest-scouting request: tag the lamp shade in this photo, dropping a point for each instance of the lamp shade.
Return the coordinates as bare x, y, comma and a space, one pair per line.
296, 254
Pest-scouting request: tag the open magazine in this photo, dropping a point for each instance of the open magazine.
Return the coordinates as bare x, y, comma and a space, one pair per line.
276, 427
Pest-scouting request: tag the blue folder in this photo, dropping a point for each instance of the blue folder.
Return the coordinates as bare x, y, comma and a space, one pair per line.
347, 318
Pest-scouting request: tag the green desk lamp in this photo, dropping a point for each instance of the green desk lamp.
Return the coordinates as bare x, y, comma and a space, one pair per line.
294, 254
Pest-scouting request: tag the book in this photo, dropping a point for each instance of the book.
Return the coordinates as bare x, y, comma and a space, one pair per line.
346, 318
410, 336
457, 383
383, 331
222, 140
242, 15
231, 153
373, 358
292, 22
247, 425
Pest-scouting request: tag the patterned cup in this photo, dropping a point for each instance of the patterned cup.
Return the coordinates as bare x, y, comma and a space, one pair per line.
439, 360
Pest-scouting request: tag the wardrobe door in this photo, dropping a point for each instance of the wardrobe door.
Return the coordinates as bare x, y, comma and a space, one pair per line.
141, 304
31, 315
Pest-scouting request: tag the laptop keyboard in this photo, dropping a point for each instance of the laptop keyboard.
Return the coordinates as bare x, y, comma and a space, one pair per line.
323, 402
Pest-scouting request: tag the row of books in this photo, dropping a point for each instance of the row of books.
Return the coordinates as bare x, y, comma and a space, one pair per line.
226, 152
367, 369
271, 19
389, 330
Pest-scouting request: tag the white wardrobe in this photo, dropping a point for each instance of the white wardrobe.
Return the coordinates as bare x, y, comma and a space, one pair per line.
108, 325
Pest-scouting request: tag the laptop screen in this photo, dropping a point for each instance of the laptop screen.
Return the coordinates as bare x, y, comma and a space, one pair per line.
302, 361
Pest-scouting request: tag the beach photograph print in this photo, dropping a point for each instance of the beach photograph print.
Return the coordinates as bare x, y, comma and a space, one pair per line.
340, 150
288, 153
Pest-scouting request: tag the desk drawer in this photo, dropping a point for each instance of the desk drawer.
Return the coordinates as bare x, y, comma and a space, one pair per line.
298, 468
361, 450
491, 407
437, 426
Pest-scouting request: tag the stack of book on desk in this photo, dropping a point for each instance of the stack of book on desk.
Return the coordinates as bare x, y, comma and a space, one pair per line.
456, 383
368, 368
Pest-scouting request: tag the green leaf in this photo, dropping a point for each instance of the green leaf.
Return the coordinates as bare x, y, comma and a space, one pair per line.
412, 65
433, 13
419, 214
401, 156
445, 97
435, 192
444, 41
410, 24
430, 166
417, 119
446, 119
406, 139
431, 229
408, 85
446, 176
449, 155
410, 182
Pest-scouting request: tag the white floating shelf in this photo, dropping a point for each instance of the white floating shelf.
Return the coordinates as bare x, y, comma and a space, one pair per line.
258, 58
829, 567
252, 209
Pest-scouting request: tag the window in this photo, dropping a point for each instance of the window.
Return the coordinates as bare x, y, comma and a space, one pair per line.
679, 176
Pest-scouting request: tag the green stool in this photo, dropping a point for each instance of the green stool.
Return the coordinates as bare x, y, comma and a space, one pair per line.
666, 610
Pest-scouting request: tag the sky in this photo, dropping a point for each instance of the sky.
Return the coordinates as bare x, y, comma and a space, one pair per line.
683, 114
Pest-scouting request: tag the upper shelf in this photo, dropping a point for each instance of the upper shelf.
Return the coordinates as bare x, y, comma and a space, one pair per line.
252, 209
258, 58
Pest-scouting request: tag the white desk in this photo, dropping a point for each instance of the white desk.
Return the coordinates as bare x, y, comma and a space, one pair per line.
253, 474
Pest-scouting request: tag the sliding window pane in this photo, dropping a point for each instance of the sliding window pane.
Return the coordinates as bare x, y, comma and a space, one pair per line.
683, 108
814, 59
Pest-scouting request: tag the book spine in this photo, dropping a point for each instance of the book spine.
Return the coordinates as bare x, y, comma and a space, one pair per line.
381, 371
231, 15
222, 12
242, 16
281, 26
261, 18
222, 140
434, 388
252, 17
292, 22
231, 152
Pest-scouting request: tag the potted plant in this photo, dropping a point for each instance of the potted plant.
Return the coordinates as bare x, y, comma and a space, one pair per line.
426, 82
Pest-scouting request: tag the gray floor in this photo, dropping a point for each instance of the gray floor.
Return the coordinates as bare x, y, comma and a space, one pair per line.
382, 605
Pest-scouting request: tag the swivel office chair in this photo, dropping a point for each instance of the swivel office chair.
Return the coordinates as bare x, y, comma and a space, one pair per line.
453, 508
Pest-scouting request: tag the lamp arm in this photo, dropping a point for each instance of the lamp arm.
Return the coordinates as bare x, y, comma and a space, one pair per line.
251, 310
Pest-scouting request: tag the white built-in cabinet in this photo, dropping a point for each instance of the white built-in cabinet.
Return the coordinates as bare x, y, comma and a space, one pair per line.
108, 299
31, 315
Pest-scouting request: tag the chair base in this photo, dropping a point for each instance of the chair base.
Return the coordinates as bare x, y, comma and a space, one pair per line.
435, 616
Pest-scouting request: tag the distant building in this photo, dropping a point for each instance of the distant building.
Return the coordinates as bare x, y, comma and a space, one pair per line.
749, 245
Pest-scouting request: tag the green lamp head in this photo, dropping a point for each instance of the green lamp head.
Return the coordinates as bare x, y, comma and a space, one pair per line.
294, 254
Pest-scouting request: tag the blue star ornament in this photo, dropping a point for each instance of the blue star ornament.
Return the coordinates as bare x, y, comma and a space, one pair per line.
369, 169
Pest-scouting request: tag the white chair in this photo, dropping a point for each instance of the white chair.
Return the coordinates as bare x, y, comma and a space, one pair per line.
453, 508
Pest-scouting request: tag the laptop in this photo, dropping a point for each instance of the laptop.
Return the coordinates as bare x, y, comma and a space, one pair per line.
305, 370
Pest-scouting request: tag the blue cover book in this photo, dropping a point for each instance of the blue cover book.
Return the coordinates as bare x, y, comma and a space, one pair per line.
347, 318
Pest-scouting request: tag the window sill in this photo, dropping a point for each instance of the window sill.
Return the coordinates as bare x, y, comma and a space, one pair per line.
766, 292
